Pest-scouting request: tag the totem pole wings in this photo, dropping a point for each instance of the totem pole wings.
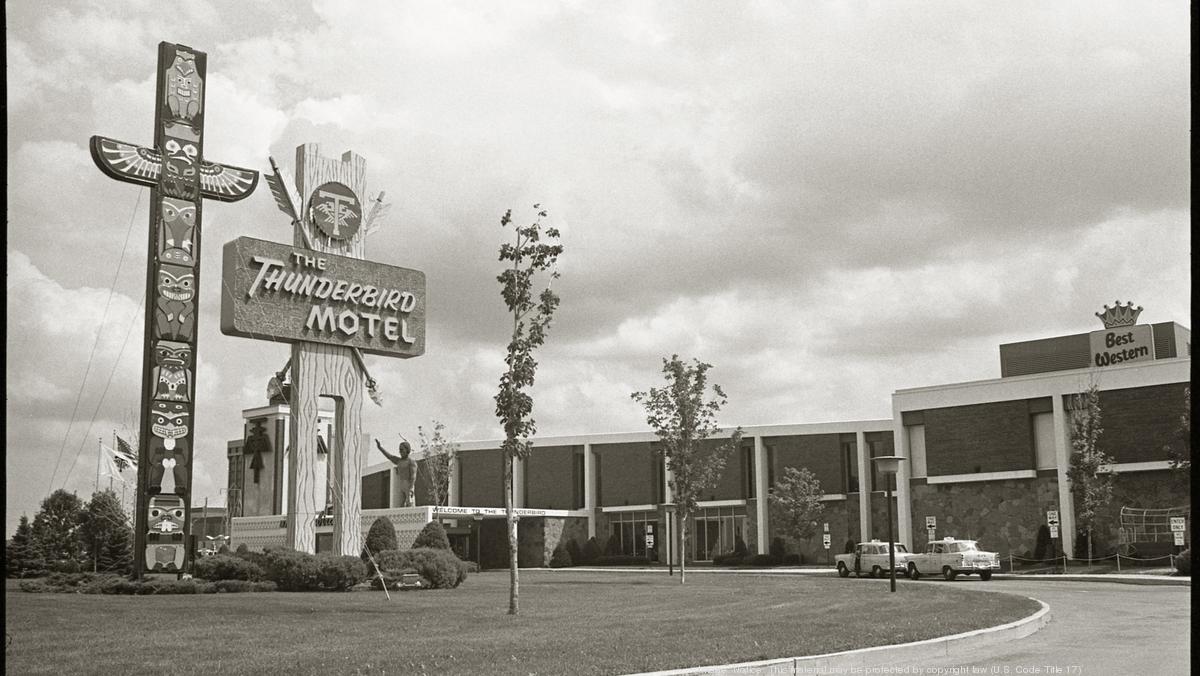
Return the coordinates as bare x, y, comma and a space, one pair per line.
135, 164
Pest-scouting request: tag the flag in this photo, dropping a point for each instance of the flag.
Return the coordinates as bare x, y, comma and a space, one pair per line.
112, 462
123, 457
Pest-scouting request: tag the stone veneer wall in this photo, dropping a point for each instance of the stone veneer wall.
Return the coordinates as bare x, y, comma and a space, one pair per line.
1004, 516
842, 517
1147, 490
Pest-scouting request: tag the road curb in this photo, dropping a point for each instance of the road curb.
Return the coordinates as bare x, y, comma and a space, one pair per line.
851, 660
1114, 579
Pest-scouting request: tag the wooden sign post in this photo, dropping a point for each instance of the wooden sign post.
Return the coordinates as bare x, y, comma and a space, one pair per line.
331, 305
179, 179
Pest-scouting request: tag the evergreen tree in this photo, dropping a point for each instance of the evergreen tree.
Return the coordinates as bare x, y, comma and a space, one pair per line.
380, 538
21, 553
433, 535
56, 529
107, 534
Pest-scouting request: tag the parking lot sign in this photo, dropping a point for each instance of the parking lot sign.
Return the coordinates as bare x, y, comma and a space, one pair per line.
931, 522
826, 540
1052, 518
1177, 524
1053, 531
1178, 537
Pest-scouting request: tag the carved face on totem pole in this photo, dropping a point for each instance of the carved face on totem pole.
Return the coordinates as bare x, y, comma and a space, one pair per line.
174, 311
166, 517
181, 163
185, 89
172, 374
177, 227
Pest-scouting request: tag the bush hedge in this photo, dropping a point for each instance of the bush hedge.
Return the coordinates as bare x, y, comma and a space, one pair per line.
380, 538
561, 558
109, 583
1183, 562
440, 568
299, 571
591, 551
574, 550
432, 536
226, 567
620, 560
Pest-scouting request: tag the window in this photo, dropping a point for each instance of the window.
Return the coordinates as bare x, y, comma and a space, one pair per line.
630, 530
716, 530
850, 465
916, 449
748, 471
1043, 440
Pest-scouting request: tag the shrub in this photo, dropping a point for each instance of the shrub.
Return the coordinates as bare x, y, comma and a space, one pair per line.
291, 570
561, 557
763, 560
777, 549
613, 546
471, 566
264, 586
36, 587
1182, 561
223, 550
233, 586
440, 567
432, 536
575, 552
242, 549
223, 567
727, 559
380, 538
791, 559
739, 547
339, 573
591, 551
392, 579
1043, 548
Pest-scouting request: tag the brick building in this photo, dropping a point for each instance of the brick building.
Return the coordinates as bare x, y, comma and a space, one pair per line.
986, 460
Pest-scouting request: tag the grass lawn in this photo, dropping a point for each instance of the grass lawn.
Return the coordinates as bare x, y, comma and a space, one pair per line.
571, 622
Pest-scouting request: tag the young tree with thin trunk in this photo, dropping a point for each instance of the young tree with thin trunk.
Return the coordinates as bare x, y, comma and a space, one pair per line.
437, 462
1180, 453
797, 500
534, 251
1093, 489
683, 419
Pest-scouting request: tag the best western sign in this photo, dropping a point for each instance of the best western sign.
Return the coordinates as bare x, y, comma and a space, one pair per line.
1122, 345
277, 292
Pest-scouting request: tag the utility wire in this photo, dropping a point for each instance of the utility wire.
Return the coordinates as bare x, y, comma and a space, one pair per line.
95, 343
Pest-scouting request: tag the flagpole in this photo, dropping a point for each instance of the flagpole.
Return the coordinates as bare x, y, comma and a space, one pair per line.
99, 451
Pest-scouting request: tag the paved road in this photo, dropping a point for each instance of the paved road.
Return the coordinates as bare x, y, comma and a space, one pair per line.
1096, 629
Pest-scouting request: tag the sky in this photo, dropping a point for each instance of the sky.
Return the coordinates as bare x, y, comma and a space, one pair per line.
825, 201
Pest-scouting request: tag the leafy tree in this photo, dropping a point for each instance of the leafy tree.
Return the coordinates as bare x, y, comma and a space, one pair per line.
107, 533
683, 420
797, 497
439, 454
529, 256
1180, 453
56, 529
21, 553
1093, 489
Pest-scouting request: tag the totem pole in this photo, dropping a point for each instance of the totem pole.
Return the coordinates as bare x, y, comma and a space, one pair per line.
179, 179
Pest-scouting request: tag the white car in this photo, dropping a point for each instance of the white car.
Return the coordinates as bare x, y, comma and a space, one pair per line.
952, 558
873, 559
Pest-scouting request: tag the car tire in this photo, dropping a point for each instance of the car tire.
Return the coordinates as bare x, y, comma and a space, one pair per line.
843, 571
876, 571
913, 573
985, 575
949, 573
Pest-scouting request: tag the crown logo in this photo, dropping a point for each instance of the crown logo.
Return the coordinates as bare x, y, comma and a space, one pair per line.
1121, 315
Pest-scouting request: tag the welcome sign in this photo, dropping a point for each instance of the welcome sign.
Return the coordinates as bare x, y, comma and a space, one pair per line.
273, 291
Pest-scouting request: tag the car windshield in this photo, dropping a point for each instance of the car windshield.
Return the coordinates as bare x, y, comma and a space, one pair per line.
962, 546
900, 549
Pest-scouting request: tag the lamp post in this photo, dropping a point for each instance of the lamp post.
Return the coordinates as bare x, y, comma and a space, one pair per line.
889, 465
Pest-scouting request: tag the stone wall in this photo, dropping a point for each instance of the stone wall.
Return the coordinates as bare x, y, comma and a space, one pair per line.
1004, 516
